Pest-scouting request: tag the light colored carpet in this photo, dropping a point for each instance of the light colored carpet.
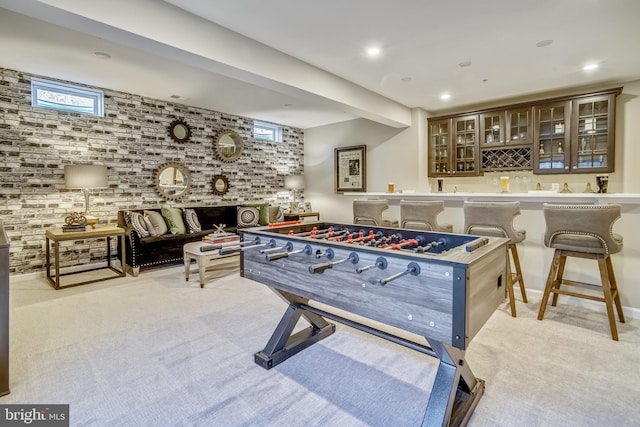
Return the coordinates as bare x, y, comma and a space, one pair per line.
158, 351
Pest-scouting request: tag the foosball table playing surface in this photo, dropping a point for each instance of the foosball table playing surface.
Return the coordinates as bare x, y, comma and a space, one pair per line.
439, 286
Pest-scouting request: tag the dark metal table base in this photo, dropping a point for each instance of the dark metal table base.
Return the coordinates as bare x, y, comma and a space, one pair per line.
455, 393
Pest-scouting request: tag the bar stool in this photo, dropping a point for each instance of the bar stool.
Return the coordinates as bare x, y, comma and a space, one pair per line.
495, 219
583, 231
423, 215
369, 212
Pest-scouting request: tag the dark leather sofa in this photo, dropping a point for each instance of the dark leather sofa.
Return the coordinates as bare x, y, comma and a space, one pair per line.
167, 248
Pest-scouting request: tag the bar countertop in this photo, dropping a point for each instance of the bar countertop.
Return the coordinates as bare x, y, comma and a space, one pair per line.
532, 196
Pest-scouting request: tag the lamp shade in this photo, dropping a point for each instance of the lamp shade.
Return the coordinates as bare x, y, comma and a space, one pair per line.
294, 182
85, 176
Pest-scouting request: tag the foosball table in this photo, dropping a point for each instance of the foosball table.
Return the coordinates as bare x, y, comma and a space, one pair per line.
438, 286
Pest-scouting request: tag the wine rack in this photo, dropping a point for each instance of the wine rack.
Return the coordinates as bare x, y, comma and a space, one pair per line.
507, 159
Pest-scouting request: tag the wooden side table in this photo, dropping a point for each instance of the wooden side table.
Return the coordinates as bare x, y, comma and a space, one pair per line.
57, 236
309, 214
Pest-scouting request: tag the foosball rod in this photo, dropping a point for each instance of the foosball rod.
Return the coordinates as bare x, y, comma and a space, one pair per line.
412, 268
272, 257
232, 249
320, 268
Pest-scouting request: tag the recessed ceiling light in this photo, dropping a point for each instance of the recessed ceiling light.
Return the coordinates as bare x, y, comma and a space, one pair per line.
102, 55
373, 51
544, 43
464, 64
445, 96
590, 67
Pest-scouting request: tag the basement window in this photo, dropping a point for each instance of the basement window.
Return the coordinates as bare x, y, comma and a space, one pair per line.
267, 131
66, 97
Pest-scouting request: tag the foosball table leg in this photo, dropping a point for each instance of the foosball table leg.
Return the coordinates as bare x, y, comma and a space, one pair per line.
283, 345
456, 391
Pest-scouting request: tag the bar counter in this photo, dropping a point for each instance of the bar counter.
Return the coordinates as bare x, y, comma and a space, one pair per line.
535, 257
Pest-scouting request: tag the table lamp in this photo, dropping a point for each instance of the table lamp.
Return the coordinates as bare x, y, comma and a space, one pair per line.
86, 177
293, 183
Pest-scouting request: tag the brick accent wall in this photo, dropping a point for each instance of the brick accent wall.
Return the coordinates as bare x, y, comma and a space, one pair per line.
132, 140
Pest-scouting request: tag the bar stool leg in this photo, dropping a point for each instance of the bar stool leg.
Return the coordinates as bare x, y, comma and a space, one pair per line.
512, 298
606, 289
558, 281
614, 289
551, 279
516, 263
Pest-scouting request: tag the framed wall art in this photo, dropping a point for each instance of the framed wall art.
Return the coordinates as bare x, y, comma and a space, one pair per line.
351, 168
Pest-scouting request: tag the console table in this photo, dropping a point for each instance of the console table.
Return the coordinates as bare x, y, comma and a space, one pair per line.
57, 236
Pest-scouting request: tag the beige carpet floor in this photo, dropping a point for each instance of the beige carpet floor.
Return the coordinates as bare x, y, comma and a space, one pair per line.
158, 351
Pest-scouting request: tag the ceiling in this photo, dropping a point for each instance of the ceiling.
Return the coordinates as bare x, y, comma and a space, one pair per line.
303, 63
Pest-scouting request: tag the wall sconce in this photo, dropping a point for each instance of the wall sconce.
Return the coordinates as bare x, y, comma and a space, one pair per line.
86, 177
293, 183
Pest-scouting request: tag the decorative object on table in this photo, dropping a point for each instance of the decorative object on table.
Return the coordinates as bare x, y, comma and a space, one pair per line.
219, 228
294, 183
588, 189
172, 180
602, 181
440, 184
224, 237
350, 168
228, 146
86, 177
220, 185
75, 222
391, 187
179, 130
565, 188
307, 207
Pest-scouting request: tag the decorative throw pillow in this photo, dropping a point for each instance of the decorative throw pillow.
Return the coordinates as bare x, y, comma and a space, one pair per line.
191, 221
157, 223
263, 208
136, 221
276, 214
248, 216
173, 217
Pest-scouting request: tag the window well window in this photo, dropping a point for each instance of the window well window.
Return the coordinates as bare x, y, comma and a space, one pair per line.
66, 97
267, 131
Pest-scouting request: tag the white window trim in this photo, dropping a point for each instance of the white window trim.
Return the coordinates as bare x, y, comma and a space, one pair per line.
277, 131
96, 94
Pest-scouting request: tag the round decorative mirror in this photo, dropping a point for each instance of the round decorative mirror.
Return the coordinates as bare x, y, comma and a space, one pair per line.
179, 131
220, 185
172, 180
228, 146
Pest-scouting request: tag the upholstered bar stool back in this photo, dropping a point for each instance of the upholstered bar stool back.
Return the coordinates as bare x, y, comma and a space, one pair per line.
496, 219
423, 215
583, 231
369, 212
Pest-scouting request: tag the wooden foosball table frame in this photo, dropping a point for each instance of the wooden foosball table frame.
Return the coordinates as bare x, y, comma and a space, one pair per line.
444, 293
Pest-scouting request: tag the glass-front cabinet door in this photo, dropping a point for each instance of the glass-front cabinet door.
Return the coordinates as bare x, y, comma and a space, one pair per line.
520, 126
551, 147
439, 147
492, 129
506, 127
593, 135
465, 144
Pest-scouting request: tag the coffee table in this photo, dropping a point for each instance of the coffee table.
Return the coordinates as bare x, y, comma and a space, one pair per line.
192, 252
